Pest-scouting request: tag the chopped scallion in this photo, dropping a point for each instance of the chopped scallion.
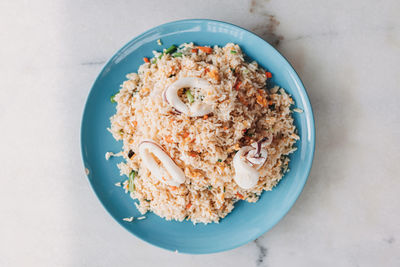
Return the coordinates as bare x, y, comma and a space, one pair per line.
248, 133
177, 54
131, 185
112, 98
272, 107
219, 160
189, 96
233, 52
170, 50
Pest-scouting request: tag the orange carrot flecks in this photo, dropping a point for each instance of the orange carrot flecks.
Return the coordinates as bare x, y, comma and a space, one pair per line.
168, 138
239, 195
205, 49
214, 74
185, 134
237, 84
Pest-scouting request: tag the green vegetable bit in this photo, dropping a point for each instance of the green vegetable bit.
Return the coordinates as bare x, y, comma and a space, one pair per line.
177, 54
272, 107
131, 185
112, 98
189, 96
209, 187
233, 52
171, 49
248, 133
219, 160
154, 61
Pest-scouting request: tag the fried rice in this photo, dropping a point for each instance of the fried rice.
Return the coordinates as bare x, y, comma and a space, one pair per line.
245, 109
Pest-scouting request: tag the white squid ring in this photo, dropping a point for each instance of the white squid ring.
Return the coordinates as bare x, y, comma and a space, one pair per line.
246, 176
169, 173
247, 161
195, 110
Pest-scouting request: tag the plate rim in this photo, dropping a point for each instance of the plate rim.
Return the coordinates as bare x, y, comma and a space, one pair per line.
300, 86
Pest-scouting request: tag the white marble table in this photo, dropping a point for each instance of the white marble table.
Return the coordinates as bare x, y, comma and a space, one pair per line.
346, 52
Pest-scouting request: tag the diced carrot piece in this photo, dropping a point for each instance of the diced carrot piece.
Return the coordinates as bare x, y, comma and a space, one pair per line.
205, 117
173, 188
144, 90
205, 49
242, 100
168, 138
194, 50
192, 154
268, 74
145, 59
214, 74
185, 134
261, 100
239, 195
188, 206
237, 84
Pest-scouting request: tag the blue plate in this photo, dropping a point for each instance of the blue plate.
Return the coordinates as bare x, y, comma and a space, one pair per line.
247, 221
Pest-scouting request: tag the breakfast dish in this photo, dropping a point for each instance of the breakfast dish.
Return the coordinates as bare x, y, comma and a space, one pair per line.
201, 130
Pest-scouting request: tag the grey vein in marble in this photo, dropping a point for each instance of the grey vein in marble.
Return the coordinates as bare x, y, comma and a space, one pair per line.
390, 240
262, 253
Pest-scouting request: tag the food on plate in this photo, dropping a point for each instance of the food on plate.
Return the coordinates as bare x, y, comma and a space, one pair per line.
202, 128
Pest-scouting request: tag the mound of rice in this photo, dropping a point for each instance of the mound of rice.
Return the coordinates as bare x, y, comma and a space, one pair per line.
203, 147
